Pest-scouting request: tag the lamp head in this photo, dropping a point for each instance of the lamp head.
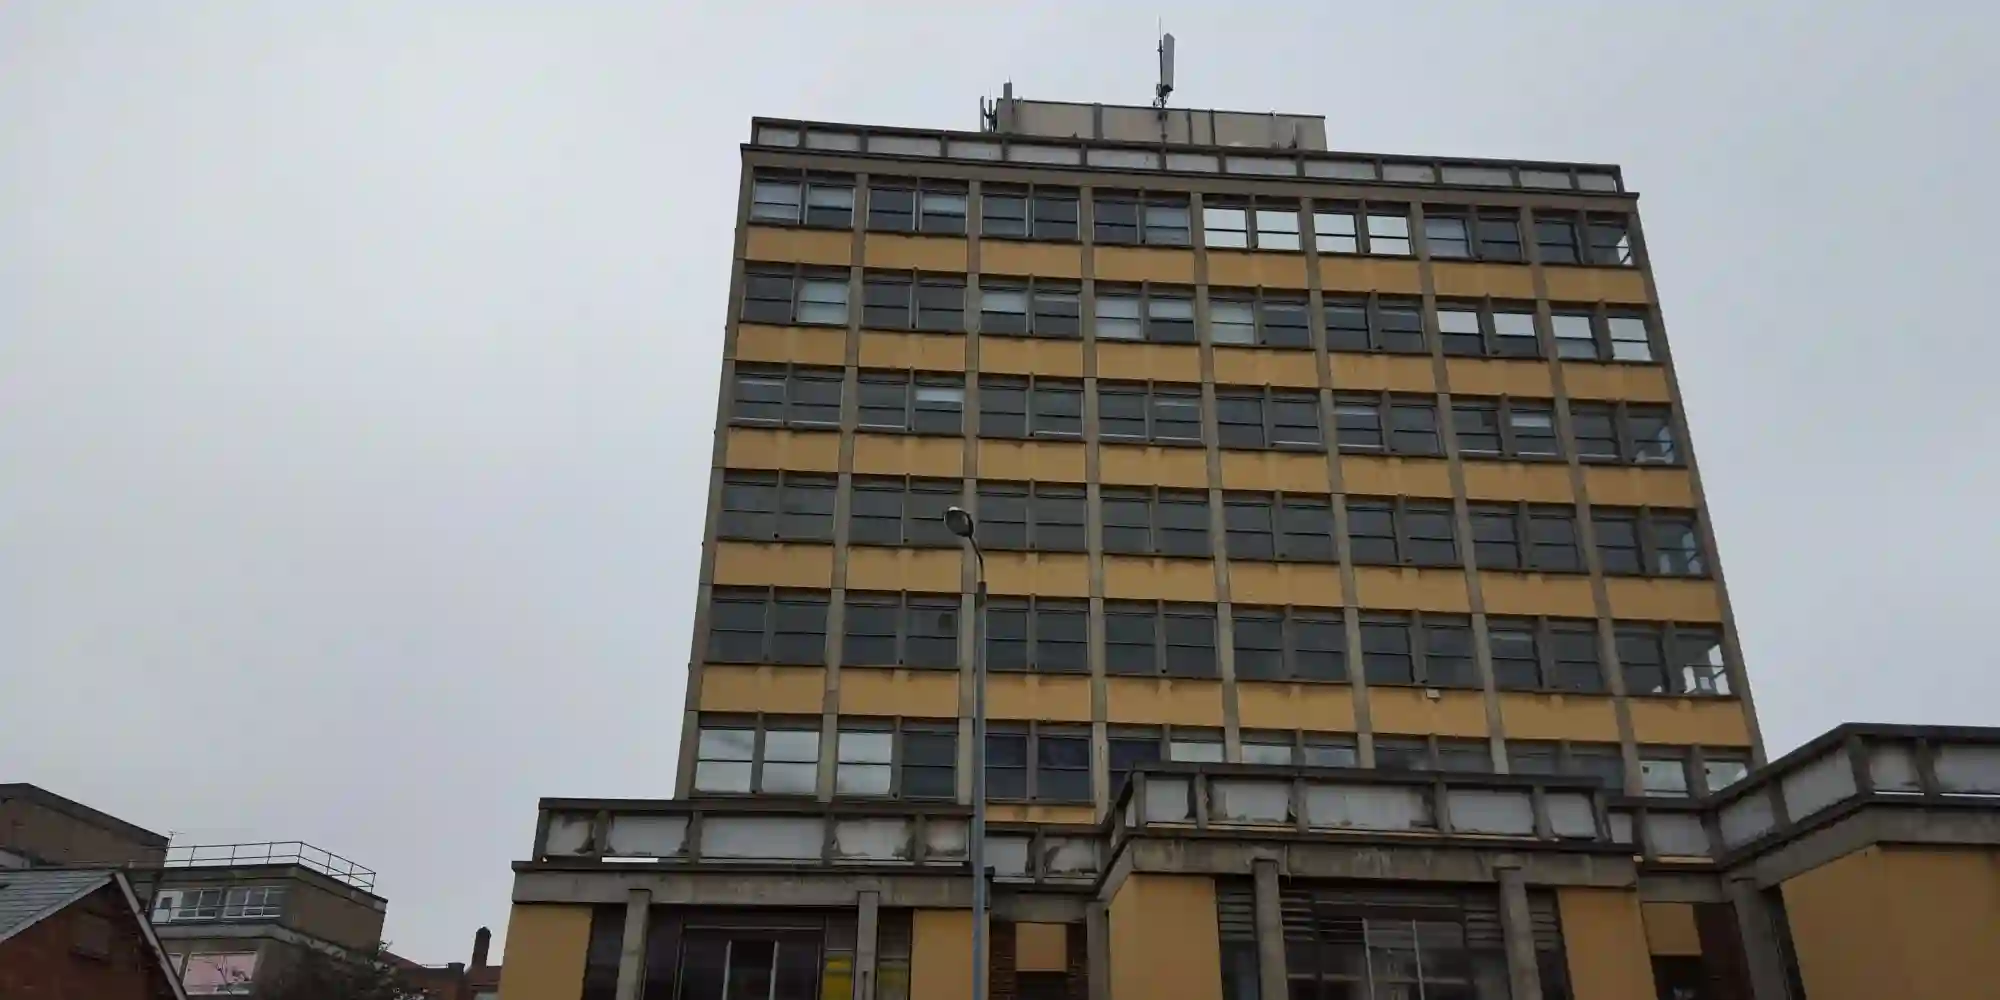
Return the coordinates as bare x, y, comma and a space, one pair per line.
958, 522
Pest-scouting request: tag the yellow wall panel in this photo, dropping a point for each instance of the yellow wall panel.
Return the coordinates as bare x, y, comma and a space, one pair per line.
804, 345
1142, 578
1537, 594
1274, 470
1134, 264
934, 570
917, 253
1044, 573
1403, 589
1898, 922
1160, 700
1539, 482
1041, 947
1664, 600
1363, 274
1503, 281
1257, 366
1313, 584
1394, 372
1255, 270
1478, 377
1379, 476
908, 455
1054, 698
1670, 928
1713, 722
1605, 940
1131, 465
546, 946
734, 687
1627, 487
1041, 461
1021, 812
1031, 356
1594, 284
763, 448
941, 954
798, 246
750, 564
1411, 710
1529, 716
1637, 383
1326, 708
880, 691
921, 351
1165, 944
1140, 362
1044, 260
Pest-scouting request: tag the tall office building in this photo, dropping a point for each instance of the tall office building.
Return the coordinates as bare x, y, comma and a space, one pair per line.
1356, 628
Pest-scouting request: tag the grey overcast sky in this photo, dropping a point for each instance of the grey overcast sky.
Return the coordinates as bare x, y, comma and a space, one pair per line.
357, 359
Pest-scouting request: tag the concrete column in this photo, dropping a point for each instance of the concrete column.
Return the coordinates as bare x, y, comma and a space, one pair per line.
1270, 920
1760, 941
1518, 928
866, 920
632, 953
1097, 948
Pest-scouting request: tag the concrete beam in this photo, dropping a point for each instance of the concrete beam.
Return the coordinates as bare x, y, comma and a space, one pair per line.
632, 948
1517, 928
1270, 923
1310, 859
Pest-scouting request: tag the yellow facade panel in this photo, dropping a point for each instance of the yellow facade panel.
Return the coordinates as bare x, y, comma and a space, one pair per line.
798, 246
941, 954
1414, 710
802, 345
1537, 594
1374, 475
1158, 701
1502, 281
800, 451
1325, 708
911, 694
932, 570
1478, 377
1026, 356
1041, 947
1291, 472
920, 351
1362, 274
1664, 600
1045, 573
1898, 922
1628, 487
1529, 716
1022, 812
1134, 264
1604, 938
1670, 929
908, 455
1130, 465
1406, 589
1039, 461
1154, 918
546, 950
1623, 286
1257, 270
1143, 578
730, 687
1142, 362
1307, 584
1258, 366
914, 253
1053, 698
1042, 260
1711, 722
1537, 482
1634, 383
1376, 372
754, 564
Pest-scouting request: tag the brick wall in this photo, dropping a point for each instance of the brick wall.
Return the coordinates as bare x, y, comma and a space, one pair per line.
42, 962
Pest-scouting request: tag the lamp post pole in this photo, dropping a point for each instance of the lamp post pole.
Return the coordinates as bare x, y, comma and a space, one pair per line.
962, 525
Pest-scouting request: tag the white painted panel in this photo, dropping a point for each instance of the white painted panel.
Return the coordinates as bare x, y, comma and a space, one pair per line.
642, 836
1475, 810
1968, 768
569, 833
761, 838
1368, 807
1248, 800
1819, 784
871, 840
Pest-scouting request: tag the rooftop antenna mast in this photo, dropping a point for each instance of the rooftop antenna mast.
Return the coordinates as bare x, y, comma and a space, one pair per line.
1166, 84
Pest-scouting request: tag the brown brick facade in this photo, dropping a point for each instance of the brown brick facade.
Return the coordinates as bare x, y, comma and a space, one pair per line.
57, 958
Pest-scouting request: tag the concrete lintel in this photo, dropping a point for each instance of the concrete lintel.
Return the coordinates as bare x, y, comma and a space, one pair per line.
1680, 887
1890, 823
1374, 861
930, 889
1030, 907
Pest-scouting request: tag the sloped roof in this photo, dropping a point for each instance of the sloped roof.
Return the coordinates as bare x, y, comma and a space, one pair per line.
29, 894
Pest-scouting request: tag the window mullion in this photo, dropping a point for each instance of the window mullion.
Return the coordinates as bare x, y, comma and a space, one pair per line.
1419, 641
1159, 639
1545, 652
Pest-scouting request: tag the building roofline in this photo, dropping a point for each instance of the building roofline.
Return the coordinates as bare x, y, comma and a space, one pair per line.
78, 811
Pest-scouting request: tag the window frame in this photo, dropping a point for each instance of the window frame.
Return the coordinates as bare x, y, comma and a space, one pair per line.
1033, 607
1549, 670
1033, 321
1420, 649
910, 381
770, 600
760, 726
794, 378
804, 183
1150, 394
1522, 517
1157, 500
1380, 337
920, 190
1031, 495
1162, 644
1473, 222
1267, 399
906, 607
1276, 535
1291, 622
1252, 209
1031, 733
784, 485
908, 519
1363, 215
1492, 343
798, 278
1386, 407
1036, 406
1261, 304
1146, 231
1032, 197
917, 315
1630, 448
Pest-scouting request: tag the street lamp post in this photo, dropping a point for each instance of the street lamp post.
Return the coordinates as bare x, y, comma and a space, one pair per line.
961, 524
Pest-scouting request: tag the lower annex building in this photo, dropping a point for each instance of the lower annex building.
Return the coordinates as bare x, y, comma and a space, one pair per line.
1355, 624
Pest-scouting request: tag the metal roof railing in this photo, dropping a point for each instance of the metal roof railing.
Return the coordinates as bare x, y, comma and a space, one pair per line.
272, 852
